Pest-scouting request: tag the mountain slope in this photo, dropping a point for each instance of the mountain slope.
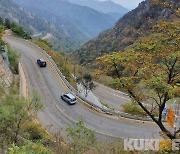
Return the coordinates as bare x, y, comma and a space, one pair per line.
88, 21
36, 25
108, 7
133, 25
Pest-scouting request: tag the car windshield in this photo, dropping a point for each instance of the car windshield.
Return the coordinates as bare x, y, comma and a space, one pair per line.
42, 60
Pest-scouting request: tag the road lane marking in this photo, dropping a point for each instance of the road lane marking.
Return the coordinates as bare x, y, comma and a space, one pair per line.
117, 95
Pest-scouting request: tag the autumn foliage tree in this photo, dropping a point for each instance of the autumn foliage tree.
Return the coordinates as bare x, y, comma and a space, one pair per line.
149, 70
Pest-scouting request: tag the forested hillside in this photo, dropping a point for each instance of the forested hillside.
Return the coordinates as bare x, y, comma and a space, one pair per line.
34, 24
68, 27
79, 23
135, 24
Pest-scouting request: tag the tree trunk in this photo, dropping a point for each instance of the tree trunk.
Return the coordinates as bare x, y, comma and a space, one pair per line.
158, 122
17, 131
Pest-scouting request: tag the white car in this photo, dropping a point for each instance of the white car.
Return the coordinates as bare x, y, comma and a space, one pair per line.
69, 98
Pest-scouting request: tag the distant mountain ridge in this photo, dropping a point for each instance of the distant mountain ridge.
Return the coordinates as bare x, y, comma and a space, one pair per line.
127, 30
79, 23
108, 7
37, 25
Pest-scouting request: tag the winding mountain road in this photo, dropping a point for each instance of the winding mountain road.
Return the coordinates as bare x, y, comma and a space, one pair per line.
114, 98
58, 115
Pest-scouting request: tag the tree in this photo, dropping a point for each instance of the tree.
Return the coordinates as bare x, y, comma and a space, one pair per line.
14, 116
149, 71
7, 23
86, 82
35, 103
11, 116
81, 138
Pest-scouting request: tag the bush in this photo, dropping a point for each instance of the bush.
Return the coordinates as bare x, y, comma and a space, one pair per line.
1, 29
29, 148
133, 108
82, 139
36, 133
13, 60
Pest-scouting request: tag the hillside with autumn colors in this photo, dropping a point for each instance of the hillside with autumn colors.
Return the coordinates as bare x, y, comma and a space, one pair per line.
134, 25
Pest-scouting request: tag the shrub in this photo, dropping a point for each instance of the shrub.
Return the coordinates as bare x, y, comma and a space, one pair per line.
133, 108
29, 148
13, 60
36, 133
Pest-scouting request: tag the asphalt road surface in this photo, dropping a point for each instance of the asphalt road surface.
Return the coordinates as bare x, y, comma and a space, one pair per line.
114, 98
58, 115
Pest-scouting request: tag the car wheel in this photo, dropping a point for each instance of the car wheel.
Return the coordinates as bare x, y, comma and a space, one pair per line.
62, 97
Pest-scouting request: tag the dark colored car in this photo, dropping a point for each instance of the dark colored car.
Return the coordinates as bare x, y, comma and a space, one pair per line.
69, 98
41, 62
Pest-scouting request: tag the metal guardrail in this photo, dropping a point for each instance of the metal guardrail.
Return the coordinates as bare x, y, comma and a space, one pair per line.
74, 91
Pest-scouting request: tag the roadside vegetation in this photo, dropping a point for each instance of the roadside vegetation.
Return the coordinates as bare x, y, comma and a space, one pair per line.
17, 29
20, 135
17, 131
134, 109
2, 28
13, 57
81, 138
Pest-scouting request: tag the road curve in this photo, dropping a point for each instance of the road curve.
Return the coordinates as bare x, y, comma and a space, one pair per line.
114, 98
58, 115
